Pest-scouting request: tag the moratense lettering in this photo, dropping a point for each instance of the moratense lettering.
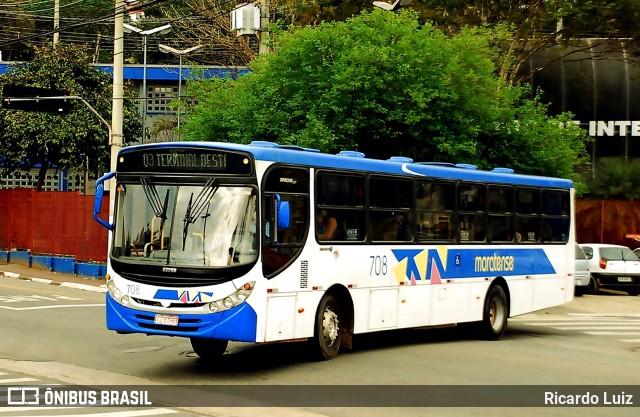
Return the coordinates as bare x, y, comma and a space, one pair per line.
184, 160
495, 263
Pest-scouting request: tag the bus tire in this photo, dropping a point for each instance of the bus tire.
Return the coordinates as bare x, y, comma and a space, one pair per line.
495, 314
327, 336
209, 349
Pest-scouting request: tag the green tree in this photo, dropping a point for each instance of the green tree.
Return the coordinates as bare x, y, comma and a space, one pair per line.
617, 179
541, 24
384, 84
68, 140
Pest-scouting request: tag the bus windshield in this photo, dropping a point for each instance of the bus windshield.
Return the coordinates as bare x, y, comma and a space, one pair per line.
185, 225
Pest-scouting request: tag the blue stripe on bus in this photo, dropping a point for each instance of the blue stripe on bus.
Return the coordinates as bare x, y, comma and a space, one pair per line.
321, 160
452, 263
238, 323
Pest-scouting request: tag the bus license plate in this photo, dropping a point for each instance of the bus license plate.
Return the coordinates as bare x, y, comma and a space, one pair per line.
166, 320
625, 279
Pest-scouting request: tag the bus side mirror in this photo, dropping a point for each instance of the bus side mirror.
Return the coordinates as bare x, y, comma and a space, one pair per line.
284, 215
97, 202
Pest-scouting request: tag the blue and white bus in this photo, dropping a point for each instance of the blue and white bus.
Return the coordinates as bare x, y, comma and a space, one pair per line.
218, 242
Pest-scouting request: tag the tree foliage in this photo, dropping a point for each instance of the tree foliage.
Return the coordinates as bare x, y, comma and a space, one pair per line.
541, 24
535, 25
617, 179
62, 141
384, 84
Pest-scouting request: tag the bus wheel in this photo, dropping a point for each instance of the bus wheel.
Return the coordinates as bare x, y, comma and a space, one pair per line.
327, 336
209, 349
494, 317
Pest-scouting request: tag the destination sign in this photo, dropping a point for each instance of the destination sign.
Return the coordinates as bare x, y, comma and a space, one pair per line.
185, 160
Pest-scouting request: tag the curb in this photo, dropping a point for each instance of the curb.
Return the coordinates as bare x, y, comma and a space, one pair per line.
101, 288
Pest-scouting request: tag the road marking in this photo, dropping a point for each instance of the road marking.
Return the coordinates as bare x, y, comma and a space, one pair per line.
583, 323
132, 413
39, 288
14, 380
51, 306
36, 298
29, 408
619, 326
583, 318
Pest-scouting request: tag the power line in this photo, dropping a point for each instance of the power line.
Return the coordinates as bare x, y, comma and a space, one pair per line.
107, 17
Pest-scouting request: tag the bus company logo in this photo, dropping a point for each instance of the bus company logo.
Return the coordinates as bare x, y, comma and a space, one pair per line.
433, 265
184, 296
494, 263
420, 265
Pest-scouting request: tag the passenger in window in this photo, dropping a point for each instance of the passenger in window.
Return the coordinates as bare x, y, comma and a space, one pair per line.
325, 226
403, 227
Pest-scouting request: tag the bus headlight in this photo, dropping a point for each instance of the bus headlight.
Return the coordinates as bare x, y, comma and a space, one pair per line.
115, 292
232, 300
125, 300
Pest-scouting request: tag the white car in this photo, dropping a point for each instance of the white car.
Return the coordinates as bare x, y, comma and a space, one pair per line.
582, 275
613, 267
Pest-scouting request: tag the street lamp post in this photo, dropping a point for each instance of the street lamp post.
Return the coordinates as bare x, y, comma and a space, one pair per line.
144, 33
179, 53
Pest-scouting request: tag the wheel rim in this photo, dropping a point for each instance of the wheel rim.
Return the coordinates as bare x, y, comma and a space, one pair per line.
496, 314
329, 327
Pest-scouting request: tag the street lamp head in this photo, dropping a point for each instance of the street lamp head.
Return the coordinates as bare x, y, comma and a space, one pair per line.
192, 49
167, 49
160, 30
127, 28
179, 52
390, 6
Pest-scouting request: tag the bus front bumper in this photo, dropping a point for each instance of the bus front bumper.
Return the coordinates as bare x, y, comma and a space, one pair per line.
238, 323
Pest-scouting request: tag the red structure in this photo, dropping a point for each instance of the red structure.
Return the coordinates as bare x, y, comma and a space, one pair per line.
607, 221
52, 223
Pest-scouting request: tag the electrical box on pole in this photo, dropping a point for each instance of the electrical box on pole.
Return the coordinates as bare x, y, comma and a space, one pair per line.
245, 19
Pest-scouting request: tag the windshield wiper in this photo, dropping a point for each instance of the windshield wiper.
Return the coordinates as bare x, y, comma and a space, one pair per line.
195, 208
159, 209
242, 229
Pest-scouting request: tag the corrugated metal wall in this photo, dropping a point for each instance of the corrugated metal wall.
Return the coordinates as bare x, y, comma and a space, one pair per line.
51, 222
607, 221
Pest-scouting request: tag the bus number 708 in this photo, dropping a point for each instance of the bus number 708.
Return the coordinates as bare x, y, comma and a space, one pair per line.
378, 265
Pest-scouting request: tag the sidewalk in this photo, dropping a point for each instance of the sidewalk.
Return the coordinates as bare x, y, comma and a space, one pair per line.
52, 278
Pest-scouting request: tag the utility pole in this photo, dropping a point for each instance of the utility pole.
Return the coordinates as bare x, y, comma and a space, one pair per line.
263, 34
56, 22
115, 141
